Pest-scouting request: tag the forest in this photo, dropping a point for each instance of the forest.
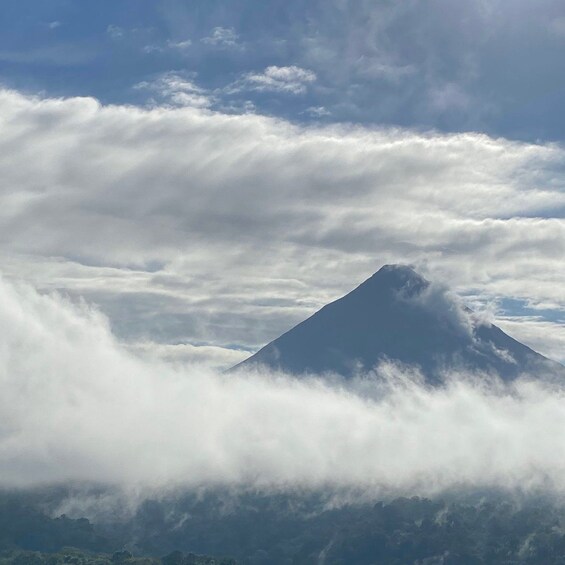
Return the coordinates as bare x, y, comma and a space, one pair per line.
255, 528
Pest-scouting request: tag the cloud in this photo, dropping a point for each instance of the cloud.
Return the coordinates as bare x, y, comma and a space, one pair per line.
557, 27
439, 300
76, 406
378, 66
192, 226
217, 358
177, 89
115, 32
179, 46
403, 63
317, 111
544, 336
293, 80
222, 37
448, 97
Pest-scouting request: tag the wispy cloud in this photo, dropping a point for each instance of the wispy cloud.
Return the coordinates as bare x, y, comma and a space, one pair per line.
448, 97
222, 37
115, 32
557, 27
179, 46
317, 111
292, 80
176, 89
187, 354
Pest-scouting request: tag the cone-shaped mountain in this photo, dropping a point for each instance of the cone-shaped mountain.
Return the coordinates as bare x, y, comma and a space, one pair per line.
397, 315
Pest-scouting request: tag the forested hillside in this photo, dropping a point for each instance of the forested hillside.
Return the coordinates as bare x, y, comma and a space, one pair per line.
291, 529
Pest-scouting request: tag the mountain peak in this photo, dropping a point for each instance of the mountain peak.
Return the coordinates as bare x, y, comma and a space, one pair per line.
389, 317
397, 278
398, 269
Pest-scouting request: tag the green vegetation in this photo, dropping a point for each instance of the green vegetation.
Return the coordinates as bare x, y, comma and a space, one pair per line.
72, 556
300, 529
29, 536
307, 530
25, 526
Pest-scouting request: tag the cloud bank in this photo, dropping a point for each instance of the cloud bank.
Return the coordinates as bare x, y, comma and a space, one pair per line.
76, 406
187, 226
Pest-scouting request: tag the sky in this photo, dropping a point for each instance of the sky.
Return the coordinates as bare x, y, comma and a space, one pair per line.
207, 174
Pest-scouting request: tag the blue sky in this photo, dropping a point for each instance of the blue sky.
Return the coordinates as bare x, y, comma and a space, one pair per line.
482, 65
209, 173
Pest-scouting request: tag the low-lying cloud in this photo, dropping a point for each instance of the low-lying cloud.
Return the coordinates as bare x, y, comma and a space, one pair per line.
77, 406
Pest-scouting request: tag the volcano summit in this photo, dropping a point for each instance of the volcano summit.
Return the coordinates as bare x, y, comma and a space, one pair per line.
397, 315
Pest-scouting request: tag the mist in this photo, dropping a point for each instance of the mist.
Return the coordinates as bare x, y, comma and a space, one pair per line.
78, 406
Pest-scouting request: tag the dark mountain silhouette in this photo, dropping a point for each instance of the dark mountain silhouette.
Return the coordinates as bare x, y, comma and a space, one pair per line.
397, 315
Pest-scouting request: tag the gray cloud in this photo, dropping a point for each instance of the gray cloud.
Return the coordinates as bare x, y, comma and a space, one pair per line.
224, 230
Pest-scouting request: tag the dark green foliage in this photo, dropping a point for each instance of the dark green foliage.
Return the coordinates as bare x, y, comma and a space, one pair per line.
178, 558
284, 529
121, 556
301, 530
71, 556
28, 536
24, 526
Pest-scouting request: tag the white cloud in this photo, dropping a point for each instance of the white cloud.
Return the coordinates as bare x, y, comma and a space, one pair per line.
548, 338
75, 406
177, 89
317, 111
179, 46
115, 32
218, 358
293, 80
222, 37
152, 49
192, 226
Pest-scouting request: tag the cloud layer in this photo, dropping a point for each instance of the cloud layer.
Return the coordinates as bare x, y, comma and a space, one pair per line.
191, 226
76, 406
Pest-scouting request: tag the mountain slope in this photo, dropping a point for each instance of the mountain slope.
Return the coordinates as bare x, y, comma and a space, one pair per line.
397, 315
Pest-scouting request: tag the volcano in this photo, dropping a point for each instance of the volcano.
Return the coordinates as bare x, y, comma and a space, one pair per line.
397, 315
